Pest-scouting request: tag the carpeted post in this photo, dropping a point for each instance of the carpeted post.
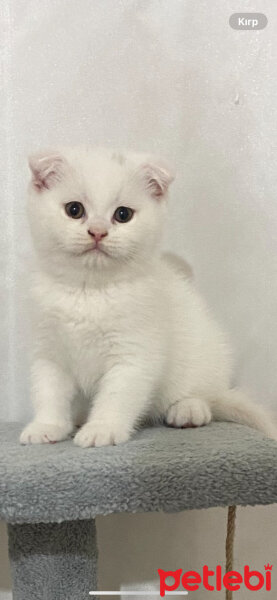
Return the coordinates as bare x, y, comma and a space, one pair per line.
53, 561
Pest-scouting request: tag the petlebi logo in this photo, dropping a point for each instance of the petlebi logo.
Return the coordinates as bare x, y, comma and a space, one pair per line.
215, 580
179, 583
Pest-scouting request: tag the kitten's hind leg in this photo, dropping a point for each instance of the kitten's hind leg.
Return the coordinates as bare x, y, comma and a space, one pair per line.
188, 412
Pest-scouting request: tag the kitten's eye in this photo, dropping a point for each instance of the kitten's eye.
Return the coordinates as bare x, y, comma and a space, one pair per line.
123, 214
75, 210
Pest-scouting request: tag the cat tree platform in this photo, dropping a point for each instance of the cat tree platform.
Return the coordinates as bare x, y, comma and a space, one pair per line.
51, 494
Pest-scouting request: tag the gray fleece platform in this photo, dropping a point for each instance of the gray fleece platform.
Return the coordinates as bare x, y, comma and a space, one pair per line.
50, 494
160, 469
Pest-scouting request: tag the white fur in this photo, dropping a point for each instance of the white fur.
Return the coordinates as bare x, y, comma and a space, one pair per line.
123, 335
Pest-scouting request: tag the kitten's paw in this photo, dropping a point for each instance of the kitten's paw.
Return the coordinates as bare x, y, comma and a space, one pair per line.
189, 412
45, 433
101, 434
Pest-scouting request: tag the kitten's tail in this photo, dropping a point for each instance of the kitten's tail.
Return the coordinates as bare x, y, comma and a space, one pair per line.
235, 406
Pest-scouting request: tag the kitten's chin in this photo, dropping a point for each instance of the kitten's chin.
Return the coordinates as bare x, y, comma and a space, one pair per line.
95, 256
96, 260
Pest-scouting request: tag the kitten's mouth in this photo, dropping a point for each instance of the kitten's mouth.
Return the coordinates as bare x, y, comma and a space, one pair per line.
95, 250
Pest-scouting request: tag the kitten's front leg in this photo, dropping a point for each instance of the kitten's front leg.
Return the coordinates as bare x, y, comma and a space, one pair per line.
52, 391
123, 397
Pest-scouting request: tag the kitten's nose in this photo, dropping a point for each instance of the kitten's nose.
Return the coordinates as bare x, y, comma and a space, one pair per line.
97, 235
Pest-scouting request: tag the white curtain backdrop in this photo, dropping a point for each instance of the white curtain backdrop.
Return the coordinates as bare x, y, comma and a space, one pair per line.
168, 76
165, 76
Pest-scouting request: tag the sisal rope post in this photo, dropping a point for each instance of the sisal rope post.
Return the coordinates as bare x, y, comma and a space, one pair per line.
229, 547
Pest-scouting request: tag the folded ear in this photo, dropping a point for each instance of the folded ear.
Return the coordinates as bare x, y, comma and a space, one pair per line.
47, 169
156, 176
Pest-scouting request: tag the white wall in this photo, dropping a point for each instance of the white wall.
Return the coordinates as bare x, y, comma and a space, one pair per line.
166, 76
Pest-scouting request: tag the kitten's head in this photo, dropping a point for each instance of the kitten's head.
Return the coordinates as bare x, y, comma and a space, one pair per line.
96, 209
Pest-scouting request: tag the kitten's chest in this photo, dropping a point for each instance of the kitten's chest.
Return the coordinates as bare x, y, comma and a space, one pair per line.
83, 327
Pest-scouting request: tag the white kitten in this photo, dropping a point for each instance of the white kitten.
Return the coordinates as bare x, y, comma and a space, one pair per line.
117, 325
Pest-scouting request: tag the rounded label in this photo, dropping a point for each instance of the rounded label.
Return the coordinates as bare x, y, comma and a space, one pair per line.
248, 21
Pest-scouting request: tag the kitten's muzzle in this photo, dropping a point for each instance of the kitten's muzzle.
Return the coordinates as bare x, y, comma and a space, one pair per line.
97, 235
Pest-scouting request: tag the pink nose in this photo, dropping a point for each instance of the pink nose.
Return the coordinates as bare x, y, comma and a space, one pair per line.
97, 235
